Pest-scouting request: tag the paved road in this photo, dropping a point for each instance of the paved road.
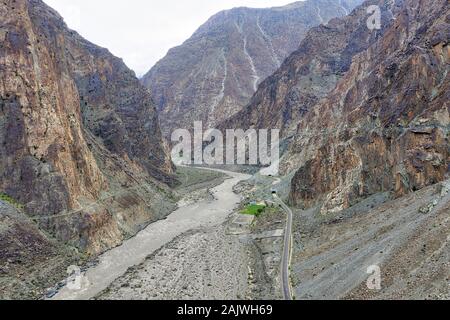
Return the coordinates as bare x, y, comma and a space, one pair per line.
286, 258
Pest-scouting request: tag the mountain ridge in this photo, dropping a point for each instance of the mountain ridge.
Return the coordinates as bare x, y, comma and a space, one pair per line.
213, 74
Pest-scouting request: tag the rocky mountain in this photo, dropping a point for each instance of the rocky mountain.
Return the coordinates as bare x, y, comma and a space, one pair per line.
307, 75
213, 74
80, 145
366, 110
387, 122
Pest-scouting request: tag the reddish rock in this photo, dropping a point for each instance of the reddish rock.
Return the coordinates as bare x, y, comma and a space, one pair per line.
75, 125
385, 125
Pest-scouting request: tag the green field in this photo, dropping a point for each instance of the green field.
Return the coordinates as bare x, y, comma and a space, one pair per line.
253, 209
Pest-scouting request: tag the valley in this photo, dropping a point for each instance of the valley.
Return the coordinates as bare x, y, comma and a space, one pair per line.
95, 204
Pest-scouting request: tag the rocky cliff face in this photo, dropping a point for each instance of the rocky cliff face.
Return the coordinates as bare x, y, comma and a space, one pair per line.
213, 75
385, 126
80, 145
366, 110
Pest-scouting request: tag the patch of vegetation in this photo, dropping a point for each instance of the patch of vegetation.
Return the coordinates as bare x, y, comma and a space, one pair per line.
6, 198
254, 209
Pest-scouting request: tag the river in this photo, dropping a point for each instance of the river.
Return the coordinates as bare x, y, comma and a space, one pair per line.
114, 263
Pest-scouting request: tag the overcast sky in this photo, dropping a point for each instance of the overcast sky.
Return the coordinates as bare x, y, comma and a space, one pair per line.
142, 31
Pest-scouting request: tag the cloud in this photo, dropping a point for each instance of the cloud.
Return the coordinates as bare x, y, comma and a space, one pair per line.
142, 31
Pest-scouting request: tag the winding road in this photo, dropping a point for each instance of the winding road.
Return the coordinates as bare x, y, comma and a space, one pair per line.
286, 257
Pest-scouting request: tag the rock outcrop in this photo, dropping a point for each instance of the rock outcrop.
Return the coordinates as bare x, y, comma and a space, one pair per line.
214, 74
80, 144
385, 126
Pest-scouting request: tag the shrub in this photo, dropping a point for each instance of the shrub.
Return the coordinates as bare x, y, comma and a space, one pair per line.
6, 198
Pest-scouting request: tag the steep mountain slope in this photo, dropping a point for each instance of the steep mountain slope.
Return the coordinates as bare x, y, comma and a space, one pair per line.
333, 254
385, 127
214, 74
80, 145
306, 76
367, 110
29, 260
